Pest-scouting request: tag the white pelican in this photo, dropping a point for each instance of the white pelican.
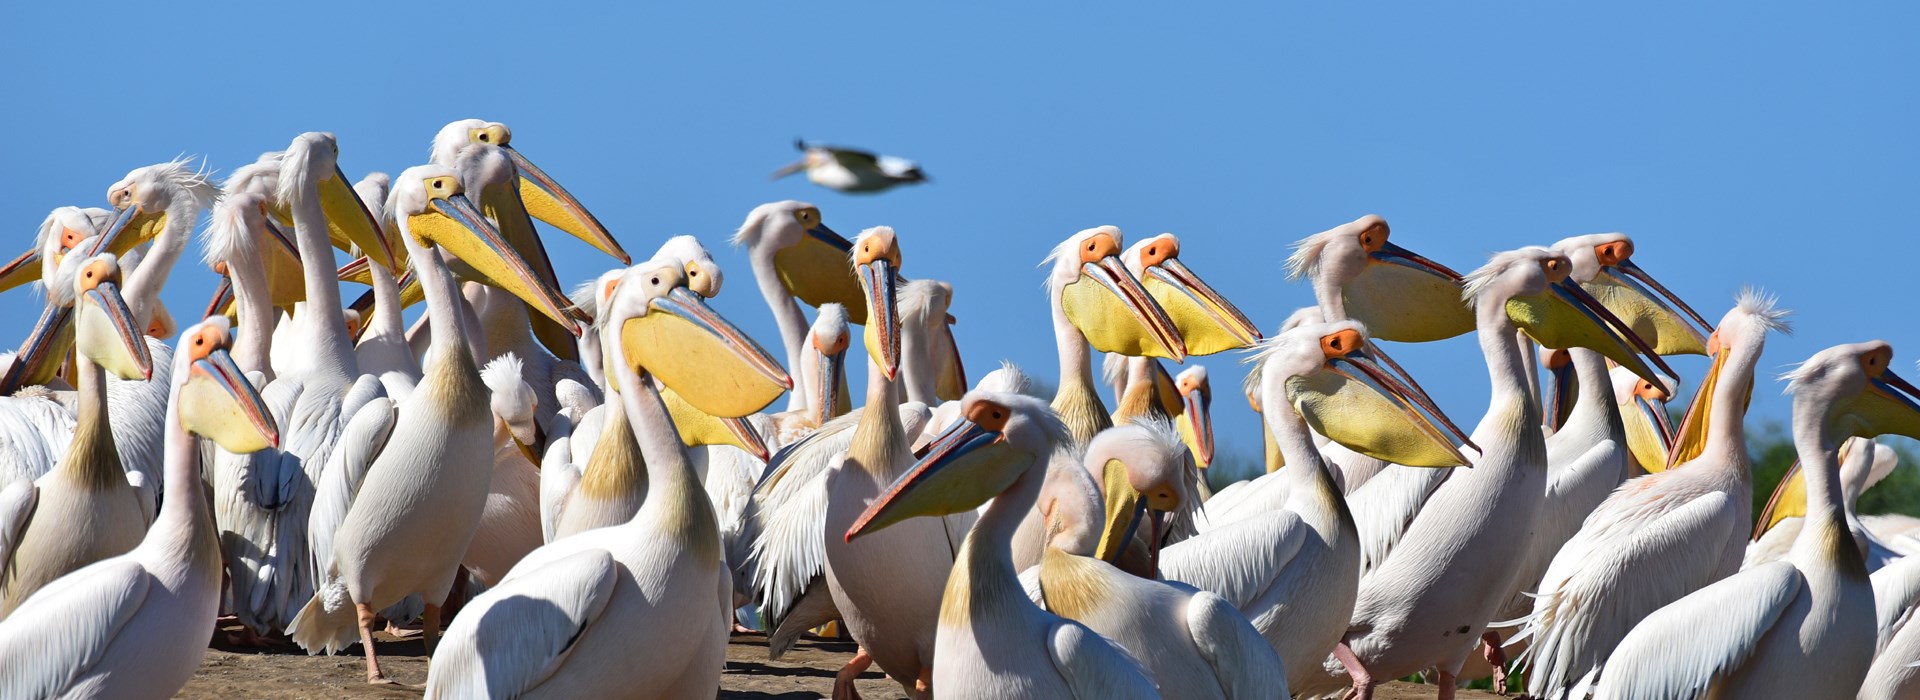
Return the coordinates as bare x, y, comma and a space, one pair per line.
1896, 664
381, 346
410, 484
1643, 410
993, 641
795, 255
852, 170
1427, 604
1096, 301
1660, 536
1755, 633
1294, 571
510, 526
85, 510
262, 500
1191, 642
636, 608
136, 625
1862, 464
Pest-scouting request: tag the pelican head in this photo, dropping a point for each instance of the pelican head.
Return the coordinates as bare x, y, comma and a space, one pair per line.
1534, 287
1348, 390
430, 208
63, 229
1603, 265
312, 161
1105, 302
809, 258
1196, 415
214, 399
1643, 410
998, 438
105, 330
1143, 469
669, 332
1853, 390
876, 259
1737, 342
826, 365
513, 403
703, 274
542, 196
1207, 322
146, 199
1401, 296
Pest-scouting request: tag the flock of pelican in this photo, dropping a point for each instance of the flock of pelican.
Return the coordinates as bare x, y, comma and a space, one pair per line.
583, 493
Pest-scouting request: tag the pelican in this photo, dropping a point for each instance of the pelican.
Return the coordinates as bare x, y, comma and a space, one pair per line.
1096, 301
851, 170
795, 255
1427, 604
1643, 411
1753, 634
85, 510
510, 526
413, 478
1896, 664
993, 642
1192, 643
1294, 571
136, 625
1862, 464
1661, 536
635, 608
381, 348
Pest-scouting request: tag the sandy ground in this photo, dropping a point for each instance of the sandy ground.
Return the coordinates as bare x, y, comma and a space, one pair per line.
283, 671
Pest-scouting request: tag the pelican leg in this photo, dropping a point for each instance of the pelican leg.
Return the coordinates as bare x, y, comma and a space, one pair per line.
1497, 657
1362, 680
923, 686
1448, 685
843, 681
430, 627
367, 619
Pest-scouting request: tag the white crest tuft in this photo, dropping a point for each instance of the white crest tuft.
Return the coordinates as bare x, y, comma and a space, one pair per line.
1478, 281
1306, 252
503, 373
1007, 379
1764, 308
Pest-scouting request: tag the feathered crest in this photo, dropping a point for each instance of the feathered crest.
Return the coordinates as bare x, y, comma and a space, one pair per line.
1305, 257
195, 181
1007, 379
502, 374
1480, 280
919, 300
297, 171
1764, 308
261, 176
1157, 434
830, 315
1255, 358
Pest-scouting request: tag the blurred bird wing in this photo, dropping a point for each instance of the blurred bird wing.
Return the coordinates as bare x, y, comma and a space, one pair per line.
16, 506
896, 167
516, 635
67, 628
1094, 667
1247, 666
1679, 650
1239, 562
855, 159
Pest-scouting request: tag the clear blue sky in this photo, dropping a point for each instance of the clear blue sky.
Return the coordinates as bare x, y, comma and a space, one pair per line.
1739, 144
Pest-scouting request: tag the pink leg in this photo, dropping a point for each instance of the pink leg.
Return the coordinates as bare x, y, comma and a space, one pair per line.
1447, 684
923, 686
1362, 680
1497, 657
843, 681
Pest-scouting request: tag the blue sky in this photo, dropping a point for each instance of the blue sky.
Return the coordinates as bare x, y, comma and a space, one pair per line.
1740, 144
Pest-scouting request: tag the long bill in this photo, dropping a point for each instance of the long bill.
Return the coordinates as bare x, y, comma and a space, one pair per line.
547, 201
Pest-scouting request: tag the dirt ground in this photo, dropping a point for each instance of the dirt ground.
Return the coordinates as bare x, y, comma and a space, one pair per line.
282, 671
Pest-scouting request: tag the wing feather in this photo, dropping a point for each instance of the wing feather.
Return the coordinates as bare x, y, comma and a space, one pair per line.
1679, 650
63, 630
516, 635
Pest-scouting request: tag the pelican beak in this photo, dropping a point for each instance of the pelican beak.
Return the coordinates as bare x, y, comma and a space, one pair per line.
530, 448
1562, 388
547, 201
21, 270
1363, 400
790, 169
351, 224
965, 466
1650, 436
1404, 297
281, 260
108, 335
953, 373
452, 222
1117, 315
131, 225
1567, 316
1196, 425
1789, 499
816, 270
1692, 436
1207, 322
1889, 404
1125, 506
217, 402
832, 376
1650, 309
222, 303
703, 357
882, 332
44, 351
699, 428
